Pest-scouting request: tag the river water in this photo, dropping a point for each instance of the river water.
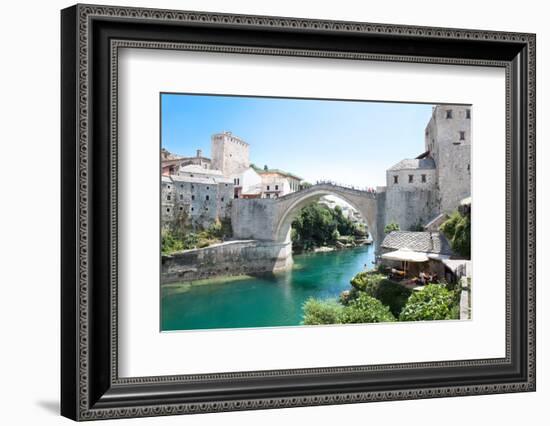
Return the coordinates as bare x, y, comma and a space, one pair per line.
268, 301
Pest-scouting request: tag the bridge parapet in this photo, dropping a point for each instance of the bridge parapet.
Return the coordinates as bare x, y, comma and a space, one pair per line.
332, 186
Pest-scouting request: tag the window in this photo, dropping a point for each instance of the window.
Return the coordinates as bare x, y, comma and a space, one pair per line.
181, 196
449, 113
462, 135
181, 186
468, 167
206, 208
168, 197
268, 187
396, 179
181, 209
192, 197
169, 187
276, 187
468, 114
168, 210
192, 186
267, 195
410, 178
207, 188
207, 197
225, 184
192, 209
222, 199
423, 178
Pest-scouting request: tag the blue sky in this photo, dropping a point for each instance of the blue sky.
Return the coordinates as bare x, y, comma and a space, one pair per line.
344, 141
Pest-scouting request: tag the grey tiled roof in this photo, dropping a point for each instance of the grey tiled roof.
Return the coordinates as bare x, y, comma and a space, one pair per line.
414, 164
428, 242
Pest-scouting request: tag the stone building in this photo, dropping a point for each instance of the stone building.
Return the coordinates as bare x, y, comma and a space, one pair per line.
230, 154
195, 199
198, 190
277, 183
448, 141
248, 184
431, 185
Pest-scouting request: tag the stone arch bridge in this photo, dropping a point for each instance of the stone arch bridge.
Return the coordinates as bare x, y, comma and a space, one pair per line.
270, 219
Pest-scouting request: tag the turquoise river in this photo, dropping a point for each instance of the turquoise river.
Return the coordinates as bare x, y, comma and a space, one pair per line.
268, 301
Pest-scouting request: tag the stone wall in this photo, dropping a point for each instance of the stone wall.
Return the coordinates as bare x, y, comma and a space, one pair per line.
254, 218
230, 258
409, 208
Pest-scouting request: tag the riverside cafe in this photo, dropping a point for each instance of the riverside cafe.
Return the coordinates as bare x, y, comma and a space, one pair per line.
409, 264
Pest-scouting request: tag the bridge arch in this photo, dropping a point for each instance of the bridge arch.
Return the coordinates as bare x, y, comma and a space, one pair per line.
288, 207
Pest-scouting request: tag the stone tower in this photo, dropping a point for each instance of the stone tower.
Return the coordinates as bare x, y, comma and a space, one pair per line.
230, 154
448, 140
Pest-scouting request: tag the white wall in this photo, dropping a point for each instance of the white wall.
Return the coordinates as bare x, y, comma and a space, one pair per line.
29, 237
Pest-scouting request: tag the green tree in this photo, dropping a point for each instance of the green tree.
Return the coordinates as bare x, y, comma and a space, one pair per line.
366, 309
314, 226
433, 302
318, 312
457, 231
374, 284
391, 227
317, 225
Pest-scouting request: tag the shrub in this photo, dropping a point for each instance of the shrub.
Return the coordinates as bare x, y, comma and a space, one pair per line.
215, 230
378, 286
366, 309
391, 227
170, 243
457, 231
366, 279
318, 312
433, 302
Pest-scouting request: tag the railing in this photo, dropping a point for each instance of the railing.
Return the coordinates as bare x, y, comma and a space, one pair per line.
346, 186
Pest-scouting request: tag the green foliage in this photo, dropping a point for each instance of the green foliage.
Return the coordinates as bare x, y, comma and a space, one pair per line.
360, 230
180, 238
362, 309
378, 286
170, 243
366, 309
457, 231
391, 227
317, 225
318, 312
433, 302
344, 225
417, 227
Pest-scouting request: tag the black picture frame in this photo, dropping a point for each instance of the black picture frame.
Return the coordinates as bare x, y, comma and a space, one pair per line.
90, 386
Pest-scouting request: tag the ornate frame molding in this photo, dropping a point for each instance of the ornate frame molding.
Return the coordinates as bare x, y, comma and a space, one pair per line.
79, 21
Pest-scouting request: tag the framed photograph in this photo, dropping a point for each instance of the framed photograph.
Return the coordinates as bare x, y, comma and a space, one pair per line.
263, 212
